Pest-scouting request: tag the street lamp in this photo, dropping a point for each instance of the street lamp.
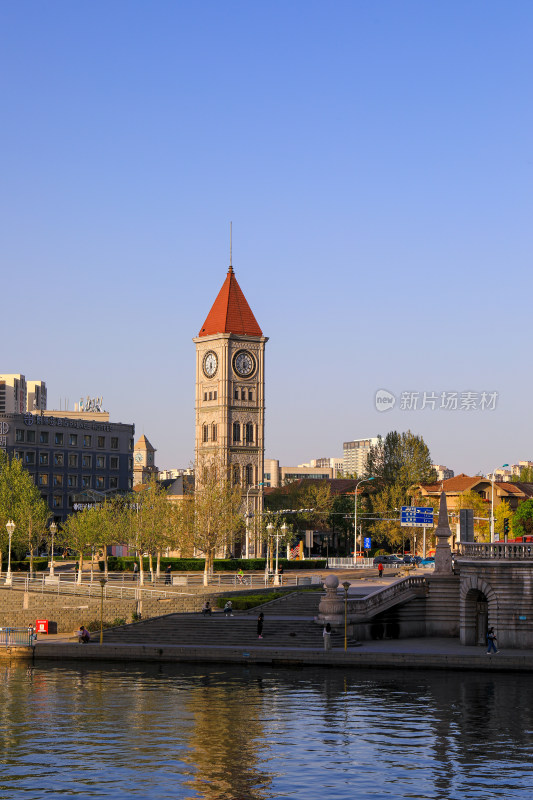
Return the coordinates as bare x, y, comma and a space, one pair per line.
283, 532
346, 586
10, 525
103, 582
270, 530
363, 480
53, 531
492, 503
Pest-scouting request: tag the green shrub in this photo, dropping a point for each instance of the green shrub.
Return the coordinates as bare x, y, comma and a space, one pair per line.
125, 563
241, 603
39, 565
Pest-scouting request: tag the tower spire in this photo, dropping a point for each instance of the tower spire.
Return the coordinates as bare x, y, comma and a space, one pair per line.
230, 247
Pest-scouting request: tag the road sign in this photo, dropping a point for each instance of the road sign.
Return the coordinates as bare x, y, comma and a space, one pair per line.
367, 543
417, 517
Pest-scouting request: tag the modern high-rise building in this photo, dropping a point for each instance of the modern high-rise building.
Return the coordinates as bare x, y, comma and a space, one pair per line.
230, 392
18, 395
355, 454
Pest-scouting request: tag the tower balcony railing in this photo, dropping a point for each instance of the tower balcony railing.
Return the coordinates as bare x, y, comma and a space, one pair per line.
512, 551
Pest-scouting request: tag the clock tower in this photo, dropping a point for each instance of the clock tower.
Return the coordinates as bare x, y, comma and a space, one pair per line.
143, 461
230, 397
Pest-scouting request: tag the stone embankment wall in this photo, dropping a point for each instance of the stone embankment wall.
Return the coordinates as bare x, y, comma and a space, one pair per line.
19, 608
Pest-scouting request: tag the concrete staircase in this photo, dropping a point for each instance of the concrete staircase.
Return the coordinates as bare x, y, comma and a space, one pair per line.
221, 631
295, 604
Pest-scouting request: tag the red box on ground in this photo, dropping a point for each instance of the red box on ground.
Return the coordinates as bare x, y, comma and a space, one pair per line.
41, 626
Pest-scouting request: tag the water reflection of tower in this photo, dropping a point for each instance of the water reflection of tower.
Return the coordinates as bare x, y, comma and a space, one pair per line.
226, 743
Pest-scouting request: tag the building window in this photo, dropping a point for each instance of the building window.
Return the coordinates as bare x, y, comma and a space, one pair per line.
43, 479
101, 441
214, 395
236, 432
73, 460
113, 482
236, 474
132, 444
43, 459
205, 395
130, 483
86, 482
19, 454
58, 480
249, 475
236, 394
58, 438
113, 462
86, 461
30, 436
210, 395
19, 435
57, 501
130, 463
250, 395
214, 432
29, 457
44, 437
205, 433
100, 462
73, 439
249, 433
114, 443
243, 394
87, 440
59, 460
100, 482
72, 481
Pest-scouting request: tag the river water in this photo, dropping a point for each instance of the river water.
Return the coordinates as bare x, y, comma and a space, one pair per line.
238, 733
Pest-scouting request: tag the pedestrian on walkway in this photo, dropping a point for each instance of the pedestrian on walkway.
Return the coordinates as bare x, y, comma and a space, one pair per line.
135, 570
167, 575
260, 620
326, 633
228, 609
491, 641
380, 569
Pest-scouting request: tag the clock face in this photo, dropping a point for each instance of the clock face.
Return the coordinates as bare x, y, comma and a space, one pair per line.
139, 458
244, 363
210, 364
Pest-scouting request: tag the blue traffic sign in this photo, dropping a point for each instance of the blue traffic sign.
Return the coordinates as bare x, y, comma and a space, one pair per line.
417, 516
367, 543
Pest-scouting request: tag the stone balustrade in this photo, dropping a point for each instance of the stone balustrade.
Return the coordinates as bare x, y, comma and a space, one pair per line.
496, 550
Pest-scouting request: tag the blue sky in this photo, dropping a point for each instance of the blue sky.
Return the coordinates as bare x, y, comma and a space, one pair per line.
376, 162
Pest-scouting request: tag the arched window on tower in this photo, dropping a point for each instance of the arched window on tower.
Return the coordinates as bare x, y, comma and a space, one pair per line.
249, 433
236, 432
236, 474
249, 475
214, 432
205, 433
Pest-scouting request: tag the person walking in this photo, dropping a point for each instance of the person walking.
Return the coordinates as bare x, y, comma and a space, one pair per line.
135, 570
168, 575
326, 633
380, 569
260, 620
491, 641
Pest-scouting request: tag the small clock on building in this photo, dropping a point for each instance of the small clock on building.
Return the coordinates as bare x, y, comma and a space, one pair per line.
138, 458
244, 363
210, 364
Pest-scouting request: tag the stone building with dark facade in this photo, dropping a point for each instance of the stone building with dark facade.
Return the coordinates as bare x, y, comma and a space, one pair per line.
73, 456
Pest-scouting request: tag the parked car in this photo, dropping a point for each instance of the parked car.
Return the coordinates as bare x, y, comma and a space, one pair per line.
427, 562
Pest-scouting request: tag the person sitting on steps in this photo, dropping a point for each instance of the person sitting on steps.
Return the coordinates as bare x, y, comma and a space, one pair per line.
206, 610
84, 635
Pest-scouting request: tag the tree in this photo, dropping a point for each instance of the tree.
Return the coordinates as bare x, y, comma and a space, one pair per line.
523, 519
526, 476
149, 517
81, 532
20, 501
400, 459
214, 517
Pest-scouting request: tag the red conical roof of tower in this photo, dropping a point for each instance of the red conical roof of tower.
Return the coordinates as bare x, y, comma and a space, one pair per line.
230, 313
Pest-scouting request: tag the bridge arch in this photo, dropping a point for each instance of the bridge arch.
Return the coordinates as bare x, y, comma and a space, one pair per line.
478, 609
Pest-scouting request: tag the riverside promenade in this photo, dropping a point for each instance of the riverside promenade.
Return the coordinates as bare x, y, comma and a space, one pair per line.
291, 639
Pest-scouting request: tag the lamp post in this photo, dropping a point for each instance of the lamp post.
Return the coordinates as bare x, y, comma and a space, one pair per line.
53, 531
283, 531
10, 525
492, 503
346, 586
103, 582
363, 480
270, 531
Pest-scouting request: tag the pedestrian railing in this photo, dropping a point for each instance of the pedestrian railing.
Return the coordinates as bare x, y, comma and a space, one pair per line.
496, 550
16, 637
119, 587
350, 563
